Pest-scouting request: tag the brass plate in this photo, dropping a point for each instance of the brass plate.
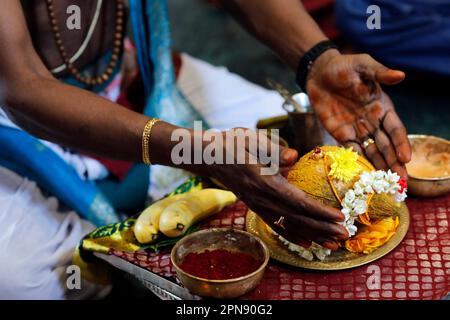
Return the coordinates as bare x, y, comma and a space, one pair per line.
338, 260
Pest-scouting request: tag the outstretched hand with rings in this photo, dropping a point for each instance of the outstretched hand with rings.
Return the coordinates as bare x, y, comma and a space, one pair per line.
346, 95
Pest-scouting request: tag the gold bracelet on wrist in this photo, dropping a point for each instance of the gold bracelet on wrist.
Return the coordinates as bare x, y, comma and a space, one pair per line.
146, 140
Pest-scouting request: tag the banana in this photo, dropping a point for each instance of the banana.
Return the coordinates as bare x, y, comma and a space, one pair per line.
180, 215
147, 224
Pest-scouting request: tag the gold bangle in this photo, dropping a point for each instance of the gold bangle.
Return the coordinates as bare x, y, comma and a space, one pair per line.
146, 140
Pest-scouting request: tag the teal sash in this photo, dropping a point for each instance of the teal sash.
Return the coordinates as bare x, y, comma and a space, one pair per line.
150, 22
27, 156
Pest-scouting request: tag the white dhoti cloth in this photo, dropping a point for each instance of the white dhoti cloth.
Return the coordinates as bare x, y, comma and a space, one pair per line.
37, 239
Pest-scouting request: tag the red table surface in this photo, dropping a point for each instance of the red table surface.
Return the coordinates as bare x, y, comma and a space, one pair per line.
419, 268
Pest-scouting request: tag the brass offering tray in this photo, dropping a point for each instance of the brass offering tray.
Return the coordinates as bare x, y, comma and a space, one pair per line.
338, 260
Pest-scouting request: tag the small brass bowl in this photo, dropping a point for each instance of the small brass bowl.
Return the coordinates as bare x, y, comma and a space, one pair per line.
220, 238
425, 151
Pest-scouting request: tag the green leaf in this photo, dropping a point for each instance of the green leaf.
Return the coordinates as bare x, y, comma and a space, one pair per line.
166, 241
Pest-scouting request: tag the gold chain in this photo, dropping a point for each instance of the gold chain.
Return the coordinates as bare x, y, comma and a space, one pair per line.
146, 140
118, 39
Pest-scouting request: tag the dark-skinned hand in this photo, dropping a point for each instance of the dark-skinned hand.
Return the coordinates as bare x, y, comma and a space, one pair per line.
271, 196
346, 94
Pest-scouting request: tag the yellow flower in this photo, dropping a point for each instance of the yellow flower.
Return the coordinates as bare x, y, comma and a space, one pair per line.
343, 164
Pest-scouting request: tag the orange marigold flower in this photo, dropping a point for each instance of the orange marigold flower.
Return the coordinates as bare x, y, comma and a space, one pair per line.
372, 236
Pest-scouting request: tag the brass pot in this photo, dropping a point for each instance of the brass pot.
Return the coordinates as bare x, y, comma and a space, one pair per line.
220, 238
427, 186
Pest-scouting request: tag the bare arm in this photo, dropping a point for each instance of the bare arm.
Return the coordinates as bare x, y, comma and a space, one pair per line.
77, 118
284, 25
64, 114
345, 90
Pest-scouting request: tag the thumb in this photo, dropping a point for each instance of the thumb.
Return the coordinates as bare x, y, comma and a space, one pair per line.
288, 156
388, 76
378, 72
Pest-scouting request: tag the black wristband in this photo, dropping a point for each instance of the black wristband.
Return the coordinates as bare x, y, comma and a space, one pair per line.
308, 59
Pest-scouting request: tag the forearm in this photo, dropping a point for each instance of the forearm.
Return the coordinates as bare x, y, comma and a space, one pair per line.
283, 25
84, 121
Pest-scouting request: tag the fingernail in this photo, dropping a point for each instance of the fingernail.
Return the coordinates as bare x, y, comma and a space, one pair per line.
404, 158
330, 245
288, 154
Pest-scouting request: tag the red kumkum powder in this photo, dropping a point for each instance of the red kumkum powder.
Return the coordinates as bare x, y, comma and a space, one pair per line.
219, 264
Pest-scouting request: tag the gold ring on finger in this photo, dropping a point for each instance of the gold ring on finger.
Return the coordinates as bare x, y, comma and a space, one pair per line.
280, 222
367, 143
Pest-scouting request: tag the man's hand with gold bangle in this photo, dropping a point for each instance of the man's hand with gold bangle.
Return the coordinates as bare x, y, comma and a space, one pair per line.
146, 140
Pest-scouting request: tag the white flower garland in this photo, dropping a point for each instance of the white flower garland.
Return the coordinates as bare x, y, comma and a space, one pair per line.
308, 254
355, 204
355, 200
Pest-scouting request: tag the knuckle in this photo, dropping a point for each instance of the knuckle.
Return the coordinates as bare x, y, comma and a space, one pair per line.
398, 131
364, 56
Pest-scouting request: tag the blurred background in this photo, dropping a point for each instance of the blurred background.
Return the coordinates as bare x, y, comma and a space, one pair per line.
202, 29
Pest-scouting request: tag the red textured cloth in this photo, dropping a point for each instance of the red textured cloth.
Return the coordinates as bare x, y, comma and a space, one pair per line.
419, 268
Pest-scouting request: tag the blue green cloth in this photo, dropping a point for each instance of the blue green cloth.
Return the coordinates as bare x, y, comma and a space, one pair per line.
27, 156
99, 203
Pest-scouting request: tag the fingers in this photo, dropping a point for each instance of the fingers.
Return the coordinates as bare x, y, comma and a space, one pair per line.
263, 147
296, 200
392, 148
377, 159
304, 217
324, 242
320, 231
317, 220
304, 243
356, 147
330, 245
387, 149
298, 228
397, 133
317, 210
390, 137
317, 231
372, 122
284, 172
288, 157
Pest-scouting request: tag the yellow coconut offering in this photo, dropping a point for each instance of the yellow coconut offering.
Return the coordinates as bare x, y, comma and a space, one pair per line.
368, 198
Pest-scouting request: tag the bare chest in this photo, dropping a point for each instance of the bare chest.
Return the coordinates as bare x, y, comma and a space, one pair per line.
78, 21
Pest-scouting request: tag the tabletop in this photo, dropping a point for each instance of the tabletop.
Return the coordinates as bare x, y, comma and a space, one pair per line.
419, 268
